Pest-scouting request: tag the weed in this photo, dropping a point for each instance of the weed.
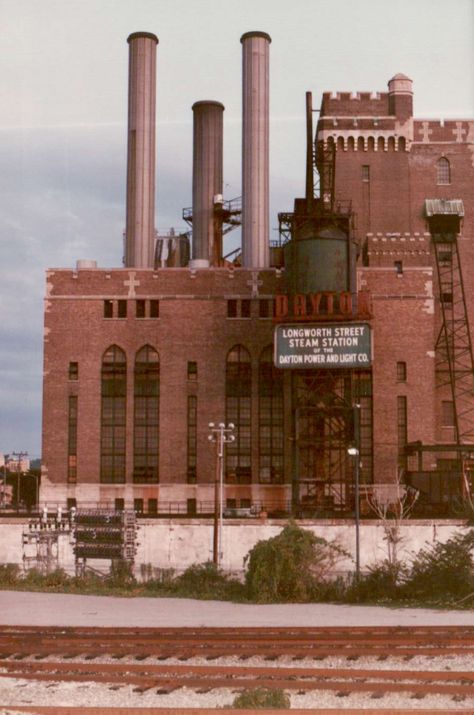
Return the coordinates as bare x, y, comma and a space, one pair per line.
261, 698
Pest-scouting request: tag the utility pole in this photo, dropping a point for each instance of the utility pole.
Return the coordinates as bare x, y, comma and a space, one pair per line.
220, 435
354, 451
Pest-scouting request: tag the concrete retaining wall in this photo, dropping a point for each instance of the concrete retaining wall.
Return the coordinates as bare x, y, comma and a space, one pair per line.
179, 543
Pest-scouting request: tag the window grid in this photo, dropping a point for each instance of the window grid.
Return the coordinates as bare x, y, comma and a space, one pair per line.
192, 438
72, 440
114, 390
270, 405
401, 371
443, 171
140, 308
447, 413
402, 429
146, 416
238, 411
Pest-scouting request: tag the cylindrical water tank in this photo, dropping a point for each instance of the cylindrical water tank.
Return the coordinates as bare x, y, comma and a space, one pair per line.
317, 263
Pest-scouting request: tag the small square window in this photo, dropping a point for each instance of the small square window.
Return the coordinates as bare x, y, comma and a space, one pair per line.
140, 308
122, 309
119, 504
447, 298
138, 506
192, 370
231, 308
365, 172
447, 413
245, 504
231, 503
245, 308
154, 308
71, 503
264, 308
73, 371
191, 475
445, 257
108, 309
398, 265
401, 371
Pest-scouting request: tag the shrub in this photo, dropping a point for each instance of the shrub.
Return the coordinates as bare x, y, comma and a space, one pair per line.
9, 575
206, 581
37, 580
380, 583
291, 567
121, 574
442, 570
261, 698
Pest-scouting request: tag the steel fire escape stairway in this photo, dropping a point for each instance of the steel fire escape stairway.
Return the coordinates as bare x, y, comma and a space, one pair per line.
454, 356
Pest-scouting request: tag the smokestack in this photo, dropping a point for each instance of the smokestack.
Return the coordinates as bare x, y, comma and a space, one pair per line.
140, 228
255, 149
207, 180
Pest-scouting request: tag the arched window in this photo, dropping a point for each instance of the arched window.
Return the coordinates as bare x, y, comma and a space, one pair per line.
270, 419
360, 144
146, 416
340, 143
402, 144
238, 399
350, 143
443, 171
113, 414
380, 144
371, 144
391, 144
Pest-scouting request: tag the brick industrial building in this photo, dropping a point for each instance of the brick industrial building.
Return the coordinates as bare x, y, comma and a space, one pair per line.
139, 359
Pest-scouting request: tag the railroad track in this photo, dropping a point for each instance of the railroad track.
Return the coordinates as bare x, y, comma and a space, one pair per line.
210, 643
136, 658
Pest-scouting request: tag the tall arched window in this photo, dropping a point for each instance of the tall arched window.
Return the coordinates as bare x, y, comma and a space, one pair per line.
443, 171
270, 419
113, 413
146, 416
238, 398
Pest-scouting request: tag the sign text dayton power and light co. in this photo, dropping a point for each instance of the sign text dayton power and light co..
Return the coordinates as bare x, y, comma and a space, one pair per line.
311, 345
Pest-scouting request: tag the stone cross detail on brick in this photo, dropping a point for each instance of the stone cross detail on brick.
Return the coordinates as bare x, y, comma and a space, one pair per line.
254, 284
459, 131
131, 283
425, 132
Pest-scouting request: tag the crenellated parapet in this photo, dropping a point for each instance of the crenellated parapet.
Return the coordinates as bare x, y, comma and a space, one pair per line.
354, 104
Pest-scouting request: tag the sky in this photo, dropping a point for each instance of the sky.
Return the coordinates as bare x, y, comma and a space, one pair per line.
63, 110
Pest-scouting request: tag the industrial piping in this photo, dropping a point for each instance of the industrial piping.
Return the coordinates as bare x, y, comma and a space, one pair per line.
140, 222
255, 149
207, 182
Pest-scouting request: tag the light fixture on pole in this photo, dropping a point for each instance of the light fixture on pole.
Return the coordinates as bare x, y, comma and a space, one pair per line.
354, 451
221, 435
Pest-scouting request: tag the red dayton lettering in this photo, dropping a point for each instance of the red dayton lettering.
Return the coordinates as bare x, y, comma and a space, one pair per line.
313, 305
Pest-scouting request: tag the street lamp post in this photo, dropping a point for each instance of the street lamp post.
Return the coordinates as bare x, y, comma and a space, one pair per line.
220, 434
354, 451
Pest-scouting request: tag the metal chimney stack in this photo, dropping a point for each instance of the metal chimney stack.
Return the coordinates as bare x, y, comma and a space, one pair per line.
255, 149
140, 227
207, 181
